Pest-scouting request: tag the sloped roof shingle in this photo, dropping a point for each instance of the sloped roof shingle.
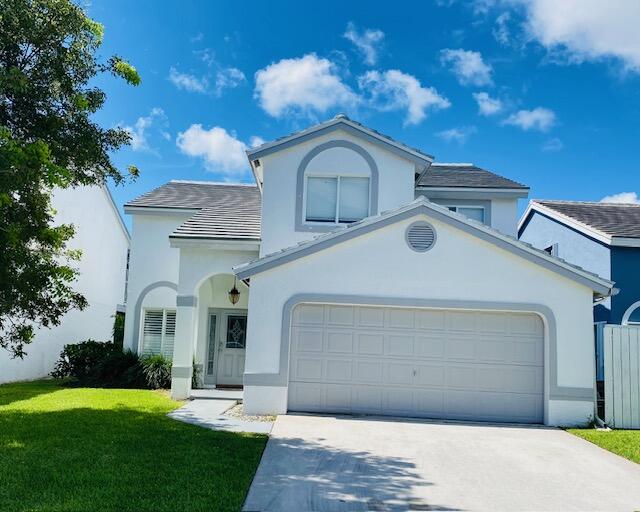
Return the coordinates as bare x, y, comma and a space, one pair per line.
464, 176
613, 219
227, 211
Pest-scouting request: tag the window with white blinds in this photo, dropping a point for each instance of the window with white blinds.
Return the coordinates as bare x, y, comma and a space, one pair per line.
159, 332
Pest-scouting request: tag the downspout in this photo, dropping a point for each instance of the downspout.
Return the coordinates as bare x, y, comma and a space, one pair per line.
598, 420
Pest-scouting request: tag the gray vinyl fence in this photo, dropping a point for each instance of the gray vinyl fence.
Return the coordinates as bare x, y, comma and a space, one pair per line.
622, 376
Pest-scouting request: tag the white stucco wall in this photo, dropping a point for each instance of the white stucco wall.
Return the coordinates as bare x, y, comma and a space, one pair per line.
104, 243
152, 260
396, 180
459, 267
504, 216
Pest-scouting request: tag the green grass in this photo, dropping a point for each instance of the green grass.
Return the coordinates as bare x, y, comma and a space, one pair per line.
623, 442
80, 449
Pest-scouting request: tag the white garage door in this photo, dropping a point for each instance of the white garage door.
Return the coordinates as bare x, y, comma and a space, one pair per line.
470, 365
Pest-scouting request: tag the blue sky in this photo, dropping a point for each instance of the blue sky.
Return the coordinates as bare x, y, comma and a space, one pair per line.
544, 93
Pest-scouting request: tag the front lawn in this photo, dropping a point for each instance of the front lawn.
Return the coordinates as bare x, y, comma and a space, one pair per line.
623, 442
81, 449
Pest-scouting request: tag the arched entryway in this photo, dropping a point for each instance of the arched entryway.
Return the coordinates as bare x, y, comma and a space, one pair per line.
221, 332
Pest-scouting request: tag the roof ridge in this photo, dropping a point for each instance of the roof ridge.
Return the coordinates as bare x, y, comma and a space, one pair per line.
594, 203
454, 164
223, 183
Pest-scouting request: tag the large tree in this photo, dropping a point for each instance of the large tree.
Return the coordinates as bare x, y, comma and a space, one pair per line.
48, 140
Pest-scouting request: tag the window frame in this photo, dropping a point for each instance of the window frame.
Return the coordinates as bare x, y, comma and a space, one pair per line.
163, 335
336, 218
456, 207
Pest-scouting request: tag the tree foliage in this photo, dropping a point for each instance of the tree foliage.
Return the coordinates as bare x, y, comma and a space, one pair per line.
48, 140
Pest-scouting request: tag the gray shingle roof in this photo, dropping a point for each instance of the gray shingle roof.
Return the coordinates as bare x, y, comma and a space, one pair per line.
464, 176
227, 211
613, 219
192, 195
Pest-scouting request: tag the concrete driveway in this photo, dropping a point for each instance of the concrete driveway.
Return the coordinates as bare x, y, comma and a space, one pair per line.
325, 463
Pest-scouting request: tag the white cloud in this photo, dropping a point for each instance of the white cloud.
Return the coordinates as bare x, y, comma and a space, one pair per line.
540, 118
468, 66
622, 197
487, 106
394, 90
459, 135
501, 29
228, 78
138, 132
587, 29
552, 145
188, 82
256, 141
367, 42
222, 151
304, 85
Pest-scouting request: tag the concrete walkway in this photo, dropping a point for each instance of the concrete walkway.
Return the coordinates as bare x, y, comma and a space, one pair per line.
316, 463
209, 413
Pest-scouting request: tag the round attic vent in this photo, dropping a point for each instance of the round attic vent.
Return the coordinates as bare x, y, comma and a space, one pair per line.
421, 236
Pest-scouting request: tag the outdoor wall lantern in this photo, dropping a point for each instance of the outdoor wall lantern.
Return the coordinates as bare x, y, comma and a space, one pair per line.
234, 293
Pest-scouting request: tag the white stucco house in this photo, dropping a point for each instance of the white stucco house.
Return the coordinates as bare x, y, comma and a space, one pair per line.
371, 279
104, 241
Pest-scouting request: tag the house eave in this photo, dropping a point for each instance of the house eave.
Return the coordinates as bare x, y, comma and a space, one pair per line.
473, 192
597, 284
228, 244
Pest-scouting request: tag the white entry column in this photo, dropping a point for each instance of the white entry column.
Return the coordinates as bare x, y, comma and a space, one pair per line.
182, 368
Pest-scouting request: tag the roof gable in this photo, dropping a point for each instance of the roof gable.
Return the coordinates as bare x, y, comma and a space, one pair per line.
341, 122
422, 206
610, 223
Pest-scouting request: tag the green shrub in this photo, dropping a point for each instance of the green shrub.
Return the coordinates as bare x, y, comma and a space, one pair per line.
79, 360
119, 369
157, 370
118, 330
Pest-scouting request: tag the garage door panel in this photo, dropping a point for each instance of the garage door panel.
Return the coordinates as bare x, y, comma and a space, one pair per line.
369, 372
339, 342
309, 314
429, 346
400, 374
430, 320
425, 363
430, 376
308, 369
340, 315
370, 344
370, 317
308, 340
400, 318
339, 370
399, 345
461, 348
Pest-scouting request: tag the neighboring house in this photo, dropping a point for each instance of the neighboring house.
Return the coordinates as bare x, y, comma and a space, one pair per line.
370, 280
603, 238
104, 241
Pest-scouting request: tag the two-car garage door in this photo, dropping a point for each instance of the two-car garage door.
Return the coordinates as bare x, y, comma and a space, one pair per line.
433, 363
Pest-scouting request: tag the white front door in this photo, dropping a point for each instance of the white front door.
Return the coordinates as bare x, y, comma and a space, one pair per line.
232, 336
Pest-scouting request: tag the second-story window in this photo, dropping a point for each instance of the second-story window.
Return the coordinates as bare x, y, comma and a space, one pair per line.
336, 199
473, 212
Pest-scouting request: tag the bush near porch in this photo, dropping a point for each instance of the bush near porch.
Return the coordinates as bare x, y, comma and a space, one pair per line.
104, 364
81, 449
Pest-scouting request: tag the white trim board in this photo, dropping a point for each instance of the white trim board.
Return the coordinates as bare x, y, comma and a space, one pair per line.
599, 285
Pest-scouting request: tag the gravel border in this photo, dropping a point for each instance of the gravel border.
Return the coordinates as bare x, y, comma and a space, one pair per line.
237, 411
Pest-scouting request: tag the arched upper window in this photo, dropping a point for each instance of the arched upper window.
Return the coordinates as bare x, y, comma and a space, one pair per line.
632, 314
337, 184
